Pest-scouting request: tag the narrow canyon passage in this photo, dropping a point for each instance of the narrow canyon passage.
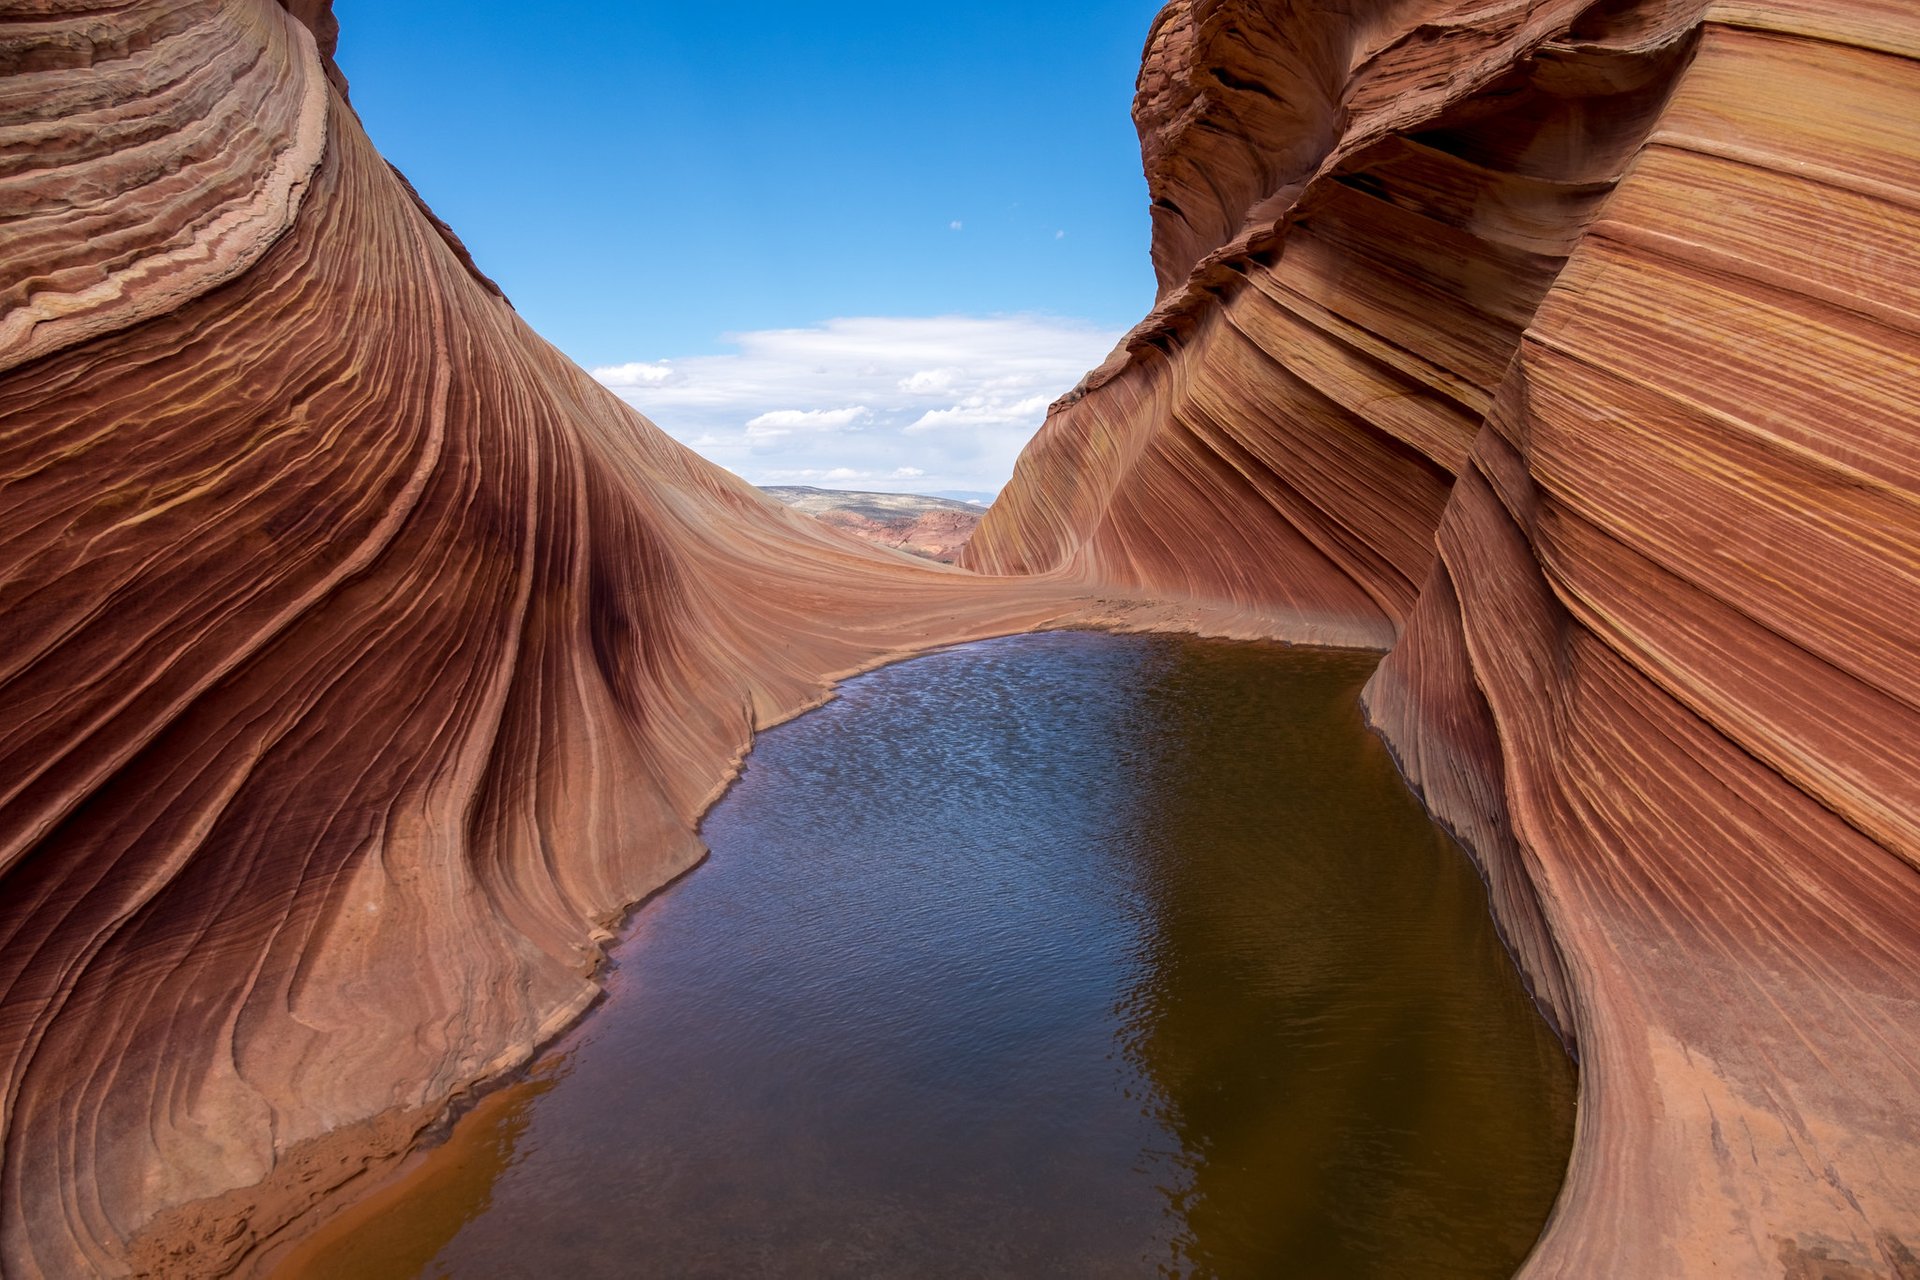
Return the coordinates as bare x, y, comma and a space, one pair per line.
362, 657
1062, 954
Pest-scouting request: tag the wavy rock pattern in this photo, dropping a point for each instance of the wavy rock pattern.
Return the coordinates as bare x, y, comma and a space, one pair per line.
362, 658
1575, 351
150, 153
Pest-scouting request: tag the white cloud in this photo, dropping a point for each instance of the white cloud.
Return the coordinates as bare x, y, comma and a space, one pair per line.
931, 382
900, 403
981, 411
955, 225
784, 422
815, 475
810, 419
1059, 235
637, 373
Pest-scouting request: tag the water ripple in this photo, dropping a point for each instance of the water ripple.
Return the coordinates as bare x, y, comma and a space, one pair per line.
1068, 955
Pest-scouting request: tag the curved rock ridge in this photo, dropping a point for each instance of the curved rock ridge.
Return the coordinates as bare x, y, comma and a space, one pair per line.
363, 660
1573, 350
1308, 390
148, 153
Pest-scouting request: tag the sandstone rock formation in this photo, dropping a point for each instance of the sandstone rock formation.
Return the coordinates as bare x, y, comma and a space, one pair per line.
1573, 350
932, 528
361, 659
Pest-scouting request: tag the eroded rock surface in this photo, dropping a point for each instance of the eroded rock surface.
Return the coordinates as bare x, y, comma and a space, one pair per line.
1574, 351
361, 659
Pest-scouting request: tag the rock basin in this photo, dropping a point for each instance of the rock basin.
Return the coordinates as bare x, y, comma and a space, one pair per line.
1068, 954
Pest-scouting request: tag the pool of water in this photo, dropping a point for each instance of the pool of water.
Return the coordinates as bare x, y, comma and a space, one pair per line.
1058, 955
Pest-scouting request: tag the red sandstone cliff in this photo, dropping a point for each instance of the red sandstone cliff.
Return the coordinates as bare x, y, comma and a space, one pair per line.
360, 658
1574, 351
354, 675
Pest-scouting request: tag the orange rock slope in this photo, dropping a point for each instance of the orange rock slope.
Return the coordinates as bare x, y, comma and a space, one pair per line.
361, 660
1573, 350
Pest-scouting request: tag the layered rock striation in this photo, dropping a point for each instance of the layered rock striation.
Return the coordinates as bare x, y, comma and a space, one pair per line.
361, 659
1573, 351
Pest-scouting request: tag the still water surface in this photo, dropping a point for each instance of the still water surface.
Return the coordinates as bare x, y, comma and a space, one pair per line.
1059, 955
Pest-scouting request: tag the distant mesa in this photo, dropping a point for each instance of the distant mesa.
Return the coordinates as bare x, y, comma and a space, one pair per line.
930, 527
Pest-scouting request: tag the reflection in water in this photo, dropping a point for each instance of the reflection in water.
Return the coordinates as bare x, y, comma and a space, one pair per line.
1055, 955
1331, 1029
398, 1232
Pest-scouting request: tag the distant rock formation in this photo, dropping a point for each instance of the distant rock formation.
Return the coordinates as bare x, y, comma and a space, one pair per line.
932, 528
361, 660
1573, 351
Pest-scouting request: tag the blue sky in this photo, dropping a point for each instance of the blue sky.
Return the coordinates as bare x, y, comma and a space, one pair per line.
668, 188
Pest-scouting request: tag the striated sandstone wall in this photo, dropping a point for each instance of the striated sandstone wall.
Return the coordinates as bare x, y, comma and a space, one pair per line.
1574, 350
360, 658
